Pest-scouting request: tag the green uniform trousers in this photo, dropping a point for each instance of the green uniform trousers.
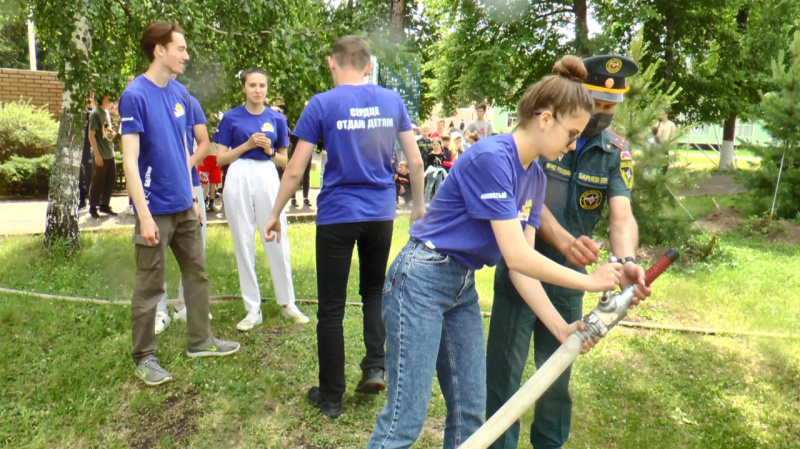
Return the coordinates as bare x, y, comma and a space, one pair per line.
510, 330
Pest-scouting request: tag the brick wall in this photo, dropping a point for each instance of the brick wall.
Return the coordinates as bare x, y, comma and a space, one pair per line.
41, 88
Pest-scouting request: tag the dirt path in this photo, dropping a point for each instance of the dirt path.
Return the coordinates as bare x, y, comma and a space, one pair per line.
716, 185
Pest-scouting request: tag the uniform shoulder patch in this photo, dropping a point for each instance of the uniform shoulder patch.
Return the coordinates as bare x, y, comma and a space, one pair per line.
619, 142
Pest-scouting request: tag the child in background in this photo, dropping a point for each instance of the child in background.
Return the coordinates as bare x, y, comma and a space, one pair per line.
210, 176
402, 184
449, 157
435, 173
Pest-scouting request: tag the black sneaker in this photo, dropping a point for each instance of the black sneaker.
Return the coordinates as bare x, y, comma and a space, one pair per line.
82, 205
329, 409
294, 203
93, 212
307, 202
210, 205
107, 210
371, 382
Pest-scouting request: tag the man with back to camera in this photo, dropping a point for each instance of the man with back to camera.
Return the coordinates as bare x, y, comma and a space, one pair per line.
155, 111
360, 124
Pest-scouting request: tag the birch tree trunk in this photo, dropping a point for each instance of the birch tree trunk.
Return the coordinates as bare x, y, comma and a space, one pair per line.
62, 198
397, 33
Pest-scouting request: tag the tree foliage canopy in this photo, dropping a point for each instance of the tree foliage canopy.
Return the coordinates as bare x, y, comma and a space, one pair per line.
492, 50
286, 38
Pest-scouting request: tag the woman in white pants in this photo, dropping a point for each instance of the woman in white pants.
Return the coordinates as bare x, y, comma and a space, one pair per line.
253, 139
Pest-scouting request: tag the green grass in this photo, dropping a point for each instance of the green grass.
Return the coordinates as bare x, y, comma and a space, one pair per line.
68, 379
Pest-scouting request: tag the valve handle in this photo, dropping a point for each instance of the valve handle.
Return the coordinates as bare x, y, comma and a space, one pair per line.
661, 264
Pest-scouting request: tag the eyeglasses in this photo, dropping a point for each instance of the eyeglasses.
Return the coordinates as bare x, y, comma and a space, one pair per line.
572, 136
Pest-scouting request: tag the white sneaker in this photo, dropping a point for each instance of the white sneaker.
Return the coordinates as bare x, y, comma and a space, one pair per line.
162, 322
180, 315
129, 210
250, 321
292, 312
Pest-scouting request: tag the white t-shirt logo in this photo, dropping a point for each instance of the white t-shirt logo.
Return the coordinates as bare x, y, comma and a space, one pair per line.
494, 196
179, 111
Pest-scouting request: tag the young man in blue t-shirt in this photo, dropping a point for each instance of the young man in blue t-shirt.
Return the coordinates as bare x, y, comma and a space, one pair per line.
155, 111
360, 124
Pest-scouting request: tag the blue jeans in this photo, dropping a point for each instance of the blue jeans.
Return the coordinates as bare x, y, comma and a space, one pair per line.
432, 183
433, 322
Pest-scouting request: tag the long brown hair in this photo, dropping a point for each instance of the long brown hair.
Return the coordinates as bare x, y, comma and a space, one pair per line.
562, 92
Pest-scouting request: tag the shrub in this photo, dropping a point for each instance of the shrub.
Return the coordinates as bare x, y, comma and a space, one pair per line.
26, 131
779, 113
26, 176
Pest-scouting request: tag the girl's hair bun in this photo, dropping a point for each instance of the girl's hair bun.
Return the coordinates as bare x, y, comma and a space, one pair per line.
570, 67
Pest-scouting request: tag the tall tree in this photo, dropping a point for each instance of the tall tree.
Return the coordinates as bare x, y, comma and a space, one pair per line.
492, 50
717, 51
62, 201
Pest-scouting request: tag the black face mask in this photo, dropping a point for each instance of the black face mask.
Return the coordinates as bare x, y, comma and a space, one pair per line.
597, 123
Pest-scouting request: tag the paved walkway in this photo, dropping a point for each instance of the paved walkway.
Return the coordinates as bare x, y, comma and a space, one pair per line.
28, 217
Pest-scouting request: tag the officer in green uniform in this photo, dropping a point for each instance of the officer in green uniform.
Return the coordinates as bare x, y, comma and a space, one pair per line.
598, 173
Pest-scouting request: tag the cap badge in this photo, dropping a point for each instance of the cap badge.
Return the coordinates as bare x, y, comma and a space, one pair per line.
609, 83
614, 65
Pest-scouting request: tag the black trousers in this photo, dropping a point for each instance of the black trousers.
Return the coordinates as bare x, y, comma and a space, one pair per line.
103, 180
406, 196
306, 181
85, 178
335, 244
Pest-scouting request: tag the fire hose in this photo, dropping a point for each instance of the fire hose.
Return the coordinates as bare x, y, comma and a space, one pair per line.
609, 311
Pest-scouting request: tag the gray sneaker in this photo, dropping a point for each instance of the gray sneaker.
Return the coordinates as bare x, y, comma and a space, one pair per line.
151, 372
213, 346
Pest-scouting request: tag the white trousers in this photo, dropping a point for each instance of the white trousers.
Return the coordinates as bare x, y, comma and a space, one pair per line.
251, 188
162, 303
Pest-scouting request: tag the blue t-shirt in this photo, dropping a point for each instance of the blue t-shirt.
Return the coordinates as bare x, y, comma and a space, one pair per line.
198, 118
359, 124
239, 124
160, 115
580, 144
488, 182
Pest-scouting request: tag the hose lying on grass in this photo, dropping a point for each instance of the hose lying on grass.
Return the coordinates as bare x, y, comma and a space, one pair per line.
226, 298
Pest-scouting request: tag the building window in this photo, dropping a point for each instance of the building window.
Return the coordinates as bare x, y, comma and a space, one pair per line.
512, 120
744, 130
